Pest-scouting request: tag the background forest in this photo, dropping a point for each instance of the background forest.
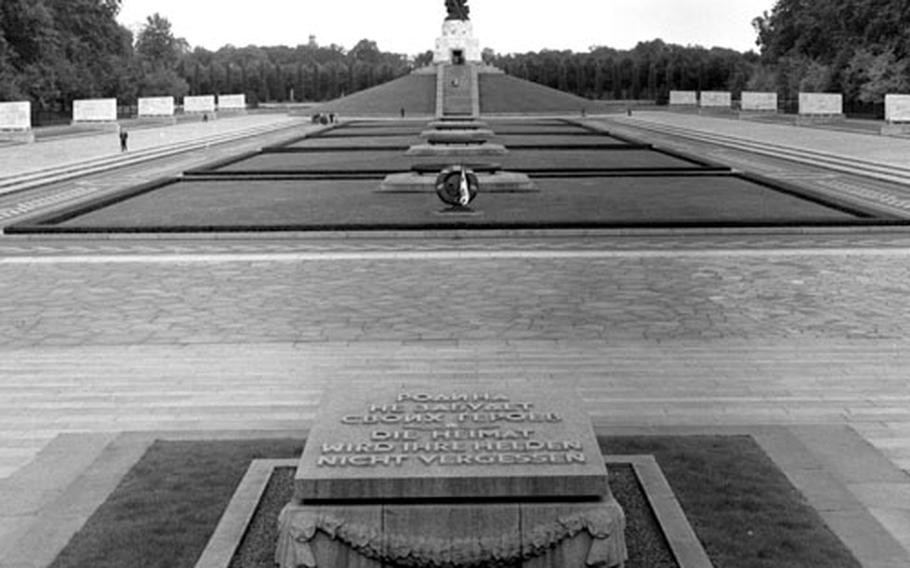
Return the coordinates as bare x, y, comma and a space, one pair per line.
55, 51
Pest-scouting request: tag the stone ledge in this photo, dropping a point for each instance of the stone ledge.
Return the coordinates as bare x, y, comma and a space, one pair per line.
499, 182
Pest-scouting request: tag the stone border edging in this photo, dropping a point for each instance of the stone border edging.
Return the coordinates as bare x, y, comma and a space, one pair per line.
684, 543
235, 521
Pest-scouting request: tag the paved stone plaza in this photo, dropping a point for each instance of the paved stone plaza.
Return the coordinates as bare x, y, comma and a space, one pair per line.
661, 329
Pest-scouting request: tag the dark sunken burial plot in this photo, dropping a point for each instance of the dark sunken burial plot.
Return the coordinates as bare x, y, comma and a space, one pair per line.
354, 203
516, 159
402, 141
375, 130
590, 181
324, 160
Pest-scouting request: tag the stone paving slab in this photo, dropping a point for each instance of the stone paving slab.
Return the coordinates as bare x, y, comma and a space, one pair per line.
98, 388
637, 295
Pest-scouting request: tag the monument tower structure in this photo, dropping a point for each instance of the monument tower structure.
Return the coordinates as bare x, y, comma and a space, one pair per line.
457, 45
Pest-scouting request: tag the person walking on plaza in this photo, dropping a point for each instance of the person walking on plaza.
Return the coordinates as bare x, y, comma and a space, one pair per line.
124, 135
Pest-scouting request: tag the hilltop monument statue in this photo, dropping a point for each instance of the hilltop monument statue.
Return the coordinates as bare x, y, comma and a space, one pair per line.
457, 45
458, 10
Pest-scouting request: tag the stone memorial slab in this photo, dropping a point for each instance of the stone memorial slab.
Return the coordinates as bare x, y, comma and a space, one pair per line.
416, 442
683, 98
759, 101
198, 104
825, 104
232, 102
897, 108
95, 110
16, 116
716, 99
156, 106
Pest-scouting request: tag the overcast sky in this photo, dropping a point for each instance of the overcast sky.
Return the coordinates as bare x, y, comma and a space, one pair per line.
411, 26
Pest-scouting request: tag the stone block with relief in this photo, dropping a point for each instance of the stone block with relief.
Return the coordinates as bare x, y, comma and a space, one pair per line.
500, 475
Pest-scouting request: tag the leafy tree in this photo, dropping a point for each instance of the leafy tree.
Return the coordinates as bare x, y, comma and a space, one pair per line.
860, 47
53, 51
426, 58
156, 44
158, 54
871, 76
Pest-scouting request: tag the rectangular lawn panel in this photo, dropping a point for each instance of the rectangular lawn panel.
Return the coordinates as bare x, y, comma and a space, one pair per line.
605, 158
555, 127
391, 129
403, 141
556, 139
315, 161
168, 505
356, 205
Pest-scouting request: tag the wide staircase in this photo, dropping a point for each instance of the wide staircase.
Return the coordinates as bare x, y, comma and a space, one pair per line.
457, 91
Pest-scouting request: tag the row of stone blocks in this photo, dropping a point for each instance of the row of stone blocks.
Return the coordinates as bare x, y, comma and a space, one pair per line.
463, 142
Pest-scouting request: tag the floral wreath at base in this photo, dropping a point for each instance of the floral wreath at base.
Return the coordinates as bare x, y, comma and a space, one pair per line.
605, 525
457, 186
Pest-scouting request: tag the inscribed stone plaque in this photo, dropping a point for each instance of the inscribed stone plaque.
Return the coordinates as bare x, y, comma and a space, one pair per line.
821, 103
231, 102
683, 98
759, 101
716, 99
16, 116
433, 442
95, 110
156, 106
897, 108
202, 103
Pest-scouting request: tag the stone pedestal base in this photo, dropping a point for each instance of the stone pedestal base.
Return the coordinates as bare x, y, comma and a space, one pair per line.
896, 129
457, 136
18, 136
459, 125
810, 119
99, 126
162, 120
457, 151
457, 39
497, 182
508, 535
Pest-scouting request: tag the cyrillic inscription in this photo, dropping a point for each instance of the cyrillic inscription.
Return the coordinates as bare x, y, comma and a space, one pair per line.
454, 429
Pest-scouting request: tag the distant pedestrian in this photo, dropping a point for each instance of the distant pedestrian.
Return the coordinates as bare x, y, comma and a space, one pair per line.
402, 112
124, 136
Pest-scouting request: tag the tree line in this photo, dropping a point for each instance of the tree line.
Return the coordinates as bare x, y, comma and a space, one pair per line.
307, 72
649, 71
55, 51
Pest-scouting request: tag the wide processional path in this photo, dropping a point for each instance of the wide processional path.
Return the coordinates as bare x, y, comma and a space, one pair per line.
659, 330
